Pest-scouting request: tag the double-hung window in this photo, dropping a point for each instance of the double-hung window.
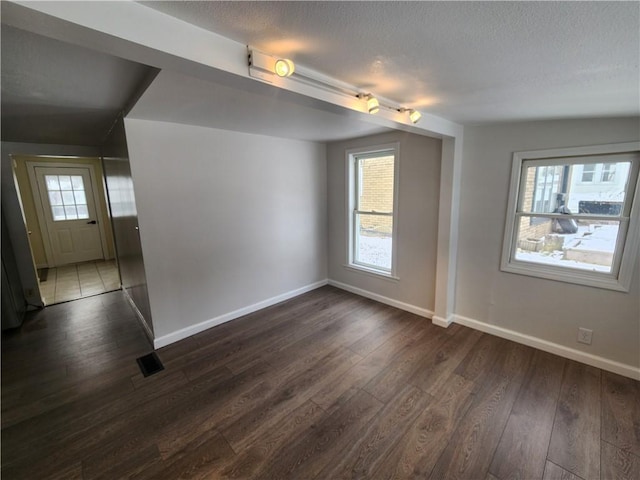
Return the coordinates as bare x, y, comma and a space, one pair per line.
586, 231
372, 209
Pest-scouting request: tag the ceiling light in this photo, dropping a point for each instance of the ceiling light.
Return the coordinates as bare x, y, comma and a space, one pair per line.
267, 68
415, 116
372, 104
284, 67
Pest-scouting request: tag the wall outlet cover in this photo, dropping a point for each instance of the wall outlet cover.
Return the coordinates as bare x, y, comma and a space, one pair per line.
584, 336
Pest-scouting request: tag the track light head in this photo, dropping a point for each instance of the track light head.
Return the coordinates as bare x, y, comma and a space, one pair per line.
414, 116
372, 103
284, 67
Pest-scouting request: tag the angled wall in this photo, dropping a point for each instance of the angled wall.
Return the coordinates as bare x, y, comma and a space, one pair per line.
124, 219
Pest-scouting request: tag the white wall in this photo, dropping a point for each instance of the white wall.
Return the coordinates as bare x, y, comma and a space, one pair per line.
545, 309
417, 220
227, 220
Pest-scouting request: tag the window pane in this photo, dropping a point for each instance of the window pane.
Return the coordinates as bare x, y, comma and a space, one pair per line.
68, 199
71, 213
80, 197
76, 181
65, 182
55, 198
58, 213
374, 240
83, 212
572, 243
563, 188
52, 182
375, 184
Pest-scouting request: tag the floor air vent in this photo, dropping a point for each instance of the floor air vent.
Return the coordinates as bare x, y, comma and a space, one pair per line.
150, 364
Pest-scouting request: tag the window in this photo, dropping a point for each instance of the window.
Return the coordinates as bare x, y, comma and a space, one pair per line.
372, 217
67, 197
588, 171
583, 232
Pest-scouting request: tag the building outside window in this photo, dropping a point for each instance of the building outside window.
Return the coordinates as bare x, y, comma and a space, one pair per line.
573, 215
372, 209
588, 172
608, 172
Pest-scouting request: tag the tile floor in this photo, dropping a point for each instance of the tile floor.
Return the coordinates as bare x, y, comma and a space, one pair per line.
71, 282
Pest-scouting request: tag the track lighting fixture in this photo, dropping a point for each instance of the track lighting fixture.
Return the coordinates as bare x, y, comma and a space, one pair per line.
414, 115
372, 102
270, 69
284, 67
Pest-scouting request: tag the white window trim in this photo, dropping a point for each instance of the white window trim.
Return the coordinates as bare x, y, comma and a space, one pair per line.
622, 270
350, 172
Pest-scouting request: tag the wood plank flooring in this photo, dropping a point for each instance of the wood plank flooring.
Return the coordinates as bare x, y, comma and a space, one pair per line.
328, 385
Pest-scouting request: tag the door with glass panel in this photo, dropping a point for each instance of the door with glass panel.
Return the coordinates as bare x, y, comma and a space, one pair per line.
70, 214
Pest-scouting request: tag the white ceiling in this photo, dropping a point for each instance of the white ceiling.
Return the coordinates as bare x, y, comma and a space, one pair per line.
470, 62
56, 92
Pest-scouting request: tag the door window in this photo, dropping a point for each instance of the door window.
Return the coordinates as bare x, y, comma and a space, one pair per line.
67, 197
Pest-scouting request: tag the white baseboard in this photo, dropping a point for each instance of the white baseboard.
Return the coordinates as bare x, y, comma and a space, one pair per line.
423, 312
141, 319
202, 326
561, 350
441, 321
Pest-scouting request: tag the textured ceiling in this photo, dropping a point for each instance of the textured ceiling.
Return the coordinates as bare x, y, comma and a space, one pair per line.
54, 92
471, 62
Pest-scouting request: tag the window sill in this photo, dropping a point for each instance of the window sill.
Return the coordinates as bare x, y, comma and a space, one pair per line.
574, 276
372, 272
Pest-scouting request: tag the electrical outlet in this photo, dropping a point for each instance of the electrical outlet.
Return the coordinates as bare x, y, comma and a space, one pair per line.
584, 335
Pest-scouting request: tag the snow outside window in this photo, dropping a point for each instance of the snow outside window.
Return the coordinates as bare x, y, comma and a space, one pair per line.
372, 189
563, 227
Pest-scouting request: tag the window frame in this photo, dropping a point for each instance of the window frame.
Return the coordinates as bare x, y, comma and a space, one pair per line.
352, 174
628, 242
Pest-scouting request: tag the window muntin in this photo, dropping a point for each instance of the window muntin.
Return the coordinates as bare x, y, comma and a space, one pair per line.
372, 212
580, 234
67, 197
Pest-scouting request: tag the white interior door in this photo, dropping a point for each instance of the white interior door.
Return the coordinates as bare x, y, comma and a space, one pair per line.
70, 213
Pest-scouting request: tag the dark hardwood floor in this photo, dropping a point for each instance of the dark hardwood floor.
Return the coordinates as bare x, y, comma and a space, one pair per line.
327, 385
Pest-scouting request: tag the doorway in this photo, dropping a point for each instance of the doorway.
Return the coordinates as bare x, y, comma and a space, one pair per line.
65, 209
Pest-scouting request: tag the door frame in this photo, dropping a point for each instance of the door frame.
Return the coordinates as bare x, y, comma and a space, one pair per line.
37, 200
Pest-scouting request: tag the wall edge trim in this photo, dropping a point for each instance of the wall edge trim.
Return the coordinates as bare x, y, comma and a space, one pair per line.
183, 333
623, 369
423, 312
139, 316
442, 322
